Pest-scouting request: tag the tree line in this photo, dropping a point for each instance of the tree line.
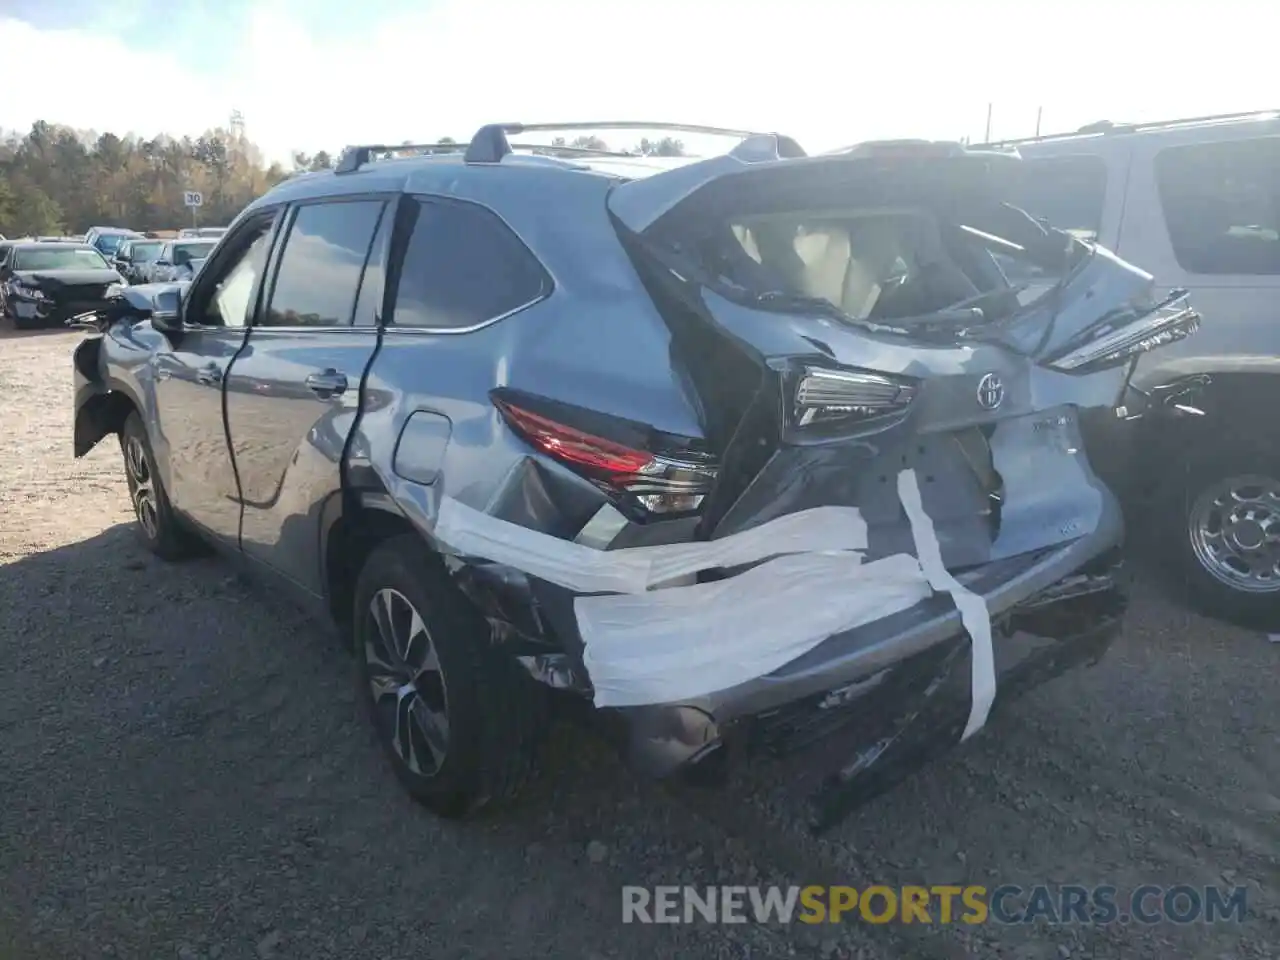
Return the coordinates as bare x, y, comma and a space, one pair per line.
56, 180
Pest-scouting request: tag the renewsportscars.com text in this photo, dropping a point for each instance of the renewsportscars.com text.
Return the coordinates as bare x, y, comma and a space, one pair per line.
942, 904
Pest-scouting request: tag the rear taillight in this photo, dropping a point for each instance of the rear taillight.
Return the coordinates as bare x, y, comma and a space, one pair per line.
1144, 327
828, 397
656, 483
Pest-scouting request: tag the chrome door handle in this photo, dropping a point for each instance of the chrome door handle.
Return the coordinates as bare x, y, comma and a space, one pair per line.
210, 375
326, 384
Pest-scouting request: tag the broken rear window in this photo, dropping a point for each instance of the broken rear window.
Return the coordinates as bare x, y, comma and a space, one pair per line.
874, 265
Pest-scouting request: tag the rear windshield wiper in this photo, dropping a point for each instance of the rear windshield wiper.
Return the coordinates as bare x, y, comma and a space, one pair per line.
783, 300
946, 318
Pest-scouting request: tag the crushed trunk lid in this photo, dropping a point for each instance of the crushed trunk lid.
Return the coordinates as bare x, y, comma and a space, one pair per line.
786, 261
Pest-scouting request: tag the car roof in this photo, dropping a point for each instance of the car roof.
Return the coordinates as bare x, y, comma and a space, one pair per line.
428, 174
1187, 129
54, 245
125, 230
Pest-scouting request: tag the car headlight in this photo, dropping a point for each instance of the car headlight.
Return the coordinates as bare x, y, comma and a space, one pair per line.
1115, 343
23, 292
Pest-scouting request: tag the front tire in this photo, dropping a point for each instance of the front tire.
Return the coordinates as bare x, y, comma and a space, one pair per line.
1224, 550
460, 721
158, 525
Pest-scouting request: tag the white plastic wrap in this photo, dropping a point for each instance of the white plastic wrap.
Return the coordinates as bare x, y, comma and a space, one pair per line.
973, 609
644, 645
585, 569
684, 642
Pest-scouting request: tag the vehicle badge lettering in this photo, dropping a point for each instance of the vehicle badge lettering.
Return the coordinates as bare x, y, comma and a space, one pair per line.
990, 392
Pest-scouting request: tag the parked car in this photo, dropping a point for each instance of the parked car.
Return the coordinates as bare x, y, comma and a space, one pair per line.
106, 239
760, 448
194, 232
133, 257
42, 284
178, 260
1197, 202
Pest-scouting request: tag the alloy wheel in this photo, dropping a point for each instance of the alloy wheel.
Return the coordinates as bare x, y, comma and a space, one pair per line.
142, 489
1234, 527
406, 682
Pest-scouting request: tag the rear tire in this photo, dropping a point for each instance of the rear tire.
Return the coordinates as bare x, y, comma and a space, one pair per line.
461, 721
158, 526
1220, 516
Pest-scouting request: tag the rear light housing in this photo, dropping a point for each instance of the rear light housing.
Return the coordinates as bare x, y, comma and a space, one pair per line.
827, 398
639, 481
1144, 327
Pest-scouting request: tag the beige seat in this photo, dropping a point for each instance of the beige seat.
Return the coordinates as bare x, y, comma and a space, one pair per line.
831, 272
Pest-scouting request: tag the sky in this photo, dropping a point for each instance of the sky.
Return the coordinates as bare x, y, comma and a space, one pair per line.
320, 74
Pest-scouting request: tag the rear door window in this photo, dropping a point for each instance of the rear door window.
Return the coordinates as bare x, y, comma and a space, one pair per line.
463, 267
318, 278
1221, 205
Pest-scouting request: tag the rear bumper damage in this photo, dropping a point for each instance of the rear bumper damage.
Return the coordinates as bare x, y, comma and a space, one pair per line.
1065, 594
904, 699
803, 632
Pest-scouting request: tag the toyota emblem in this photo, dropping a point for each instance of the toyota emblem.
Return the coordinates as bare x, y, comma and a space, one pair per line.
990, 392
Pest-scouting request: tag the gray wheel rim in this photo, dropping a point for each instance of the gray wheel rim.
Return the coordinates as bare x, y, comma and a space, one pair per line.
1234, 526
407, 682
141, 486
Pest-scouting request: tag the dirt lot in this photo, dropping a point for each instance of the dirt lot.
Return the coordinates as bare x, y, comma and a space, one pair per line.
184, 773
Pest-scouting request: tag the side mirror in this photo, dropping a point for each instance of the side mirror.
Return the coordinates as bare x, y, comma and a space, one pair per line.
166, 316
162, 263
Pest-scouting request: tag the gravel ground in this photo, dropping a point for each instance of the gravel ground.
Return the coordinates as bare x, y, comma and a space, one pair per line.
184, 773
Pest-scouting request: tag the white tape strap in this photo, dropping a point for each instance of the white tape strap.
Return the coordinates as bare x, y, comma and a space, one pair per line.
973, 609
584, 569
683, 642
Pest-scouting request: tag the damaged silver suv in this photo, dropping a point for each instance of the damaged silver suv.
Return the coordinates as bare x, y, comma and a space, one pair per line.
754, 453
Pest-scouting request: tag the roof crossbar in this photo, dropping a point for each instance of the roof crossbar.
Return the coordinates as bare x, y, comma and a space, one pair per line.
353, 158
490, 143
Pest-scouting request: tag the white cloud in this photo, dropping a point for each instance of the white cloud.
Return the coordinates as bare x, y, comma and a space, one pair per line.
825, 71
94, 82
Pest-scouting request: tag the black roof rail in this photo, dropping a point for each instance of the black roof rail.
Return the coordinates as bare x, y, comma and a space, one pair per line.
1107, 127
490, 143
353, 158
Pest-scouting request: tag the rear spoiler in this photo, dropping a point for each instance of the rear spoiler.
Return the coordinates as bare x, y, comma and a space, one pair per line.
641, 203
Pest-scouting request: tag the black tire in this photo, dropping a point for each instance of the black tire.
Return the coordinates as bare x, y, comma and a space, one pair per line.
158, 526
1182, 498
495, 714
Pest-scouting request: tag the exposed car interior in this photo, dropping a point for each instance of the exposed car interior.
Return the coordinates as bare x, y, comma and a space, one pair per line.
871, 264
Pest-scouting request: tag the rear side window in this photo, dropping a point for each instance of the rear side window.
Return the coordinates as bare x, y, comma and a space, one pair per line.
1220, 204
1065, 192
462, 267
324, 255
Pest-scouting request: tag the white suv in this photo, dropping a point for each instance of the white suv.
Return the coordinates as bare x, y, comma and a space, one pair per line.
1197, 203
